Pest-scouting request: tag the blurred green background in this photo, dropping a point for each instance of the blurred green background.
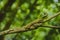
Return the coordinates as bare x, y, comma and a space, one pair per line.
17, 13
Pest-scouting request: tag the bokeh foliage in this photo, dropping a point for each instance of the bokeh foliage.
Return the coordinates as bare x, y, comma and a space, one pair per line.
21, 12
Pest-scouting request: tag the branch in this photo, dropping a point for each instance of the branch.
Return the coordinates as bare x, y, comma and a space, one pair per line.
31, 26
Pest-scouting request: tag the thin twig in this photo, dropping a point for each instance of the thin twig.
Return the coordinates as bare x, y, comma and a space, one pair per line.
57, 27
